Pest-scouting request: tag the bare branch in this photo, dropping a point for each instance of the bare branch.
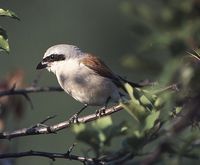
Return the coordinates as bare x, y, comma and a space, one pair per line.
52, 156
119, 157
40, 128
31, 89
173, 87
24, 92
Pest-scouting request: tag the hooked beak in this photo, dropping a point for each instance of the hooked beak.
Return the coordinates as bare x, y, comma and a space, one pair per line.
41, 65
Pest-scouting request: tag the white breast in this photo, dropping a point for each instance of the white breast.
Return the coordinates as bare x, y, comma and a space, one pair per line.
84, 84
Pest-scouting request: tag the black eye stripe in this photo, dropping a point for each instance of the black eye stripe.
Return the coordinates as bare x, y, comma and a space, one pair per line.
54, 57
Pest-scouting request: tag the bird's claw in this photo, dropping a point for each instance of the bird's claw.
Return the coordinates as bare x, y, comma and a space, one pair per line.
74, 119
101, 111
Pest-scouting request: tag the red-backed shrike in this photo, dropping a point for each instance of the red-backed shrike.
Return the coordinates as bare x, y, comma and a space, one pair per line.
83, 76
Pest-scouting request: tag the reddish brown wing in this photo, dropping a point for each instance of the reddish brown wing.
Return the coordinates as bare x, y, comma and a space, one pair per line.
99, 67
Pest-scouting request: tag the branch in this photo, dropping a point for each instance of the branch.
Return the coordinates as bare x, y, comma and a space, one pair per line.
31, 89
53, 156
116, 158
40, 128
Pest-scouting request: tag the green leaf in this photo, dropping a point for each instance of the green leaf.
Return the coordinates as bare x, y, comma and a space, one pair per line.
8, 13
102, 123
159, 103
150, 119
114, 131
135, 110
4, 46
91, 137
129, 89
146, 102
134, 107
77, 128
102, 138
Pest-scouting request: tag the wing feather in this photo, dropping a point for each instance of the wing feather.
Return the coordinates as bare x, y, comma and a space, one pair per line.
100, 68
103, 70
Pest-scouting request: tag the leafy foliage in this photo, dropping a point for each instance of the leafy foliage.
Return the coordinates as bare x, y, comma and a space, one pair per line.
4, 40
8, 13
4, 46
100, 133
165, 125
161, 34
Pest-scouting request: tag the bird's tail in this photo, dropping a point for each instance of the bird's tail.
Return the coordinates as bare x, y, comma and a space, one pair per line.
133, 84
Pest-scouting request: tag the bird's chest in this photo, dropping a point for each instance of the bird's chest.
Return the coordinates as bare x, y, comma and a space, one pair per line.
74, 83
77, 82
70, 76
86, 87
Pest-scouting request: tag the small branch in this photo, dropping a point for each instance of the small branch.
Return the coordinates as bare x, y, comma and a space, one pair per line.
173, 87
52, 156
48, 118
40, 128
32, 89
42, 123
119, 157
24, 92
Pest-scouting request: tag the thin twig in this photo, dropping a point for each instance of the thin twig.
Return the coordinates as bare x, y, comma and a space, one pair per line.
195, 55
42, 123
173, 87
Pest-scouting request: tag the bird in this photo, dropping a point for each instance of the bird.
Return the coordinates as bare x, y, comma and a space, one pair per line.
84, 76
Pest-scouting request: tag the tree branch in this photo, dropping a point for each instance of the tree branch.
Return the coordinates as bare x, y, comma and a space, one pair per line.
31, 89
119, 157
40, 128
53, 156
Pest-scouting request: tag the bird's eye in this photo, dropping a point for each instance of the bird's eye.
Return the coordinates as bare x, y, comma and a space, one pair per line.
52, 57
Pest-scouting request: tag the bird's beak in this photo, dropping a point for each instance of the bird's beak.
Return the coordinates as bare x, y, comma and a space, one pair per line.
41, 65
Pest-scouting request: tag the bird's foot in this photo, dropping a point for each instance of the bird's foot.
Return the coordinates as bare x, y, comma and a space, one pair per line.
74, 119
100, 112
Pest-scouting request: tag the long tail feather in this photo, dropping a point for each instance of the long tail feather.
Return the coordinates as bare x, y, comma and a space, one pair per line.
137, 85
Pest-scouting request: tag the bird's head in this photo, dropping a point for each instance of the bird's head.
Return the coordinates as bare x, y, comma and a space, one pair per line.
56, 55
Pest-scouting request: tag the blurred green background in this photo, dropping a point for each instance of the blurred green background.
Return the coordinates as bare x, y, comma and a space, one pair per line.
136, 39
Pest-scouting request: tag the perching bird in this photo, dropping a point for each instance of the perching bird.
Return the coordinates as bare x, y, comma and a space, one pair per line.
83, 76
